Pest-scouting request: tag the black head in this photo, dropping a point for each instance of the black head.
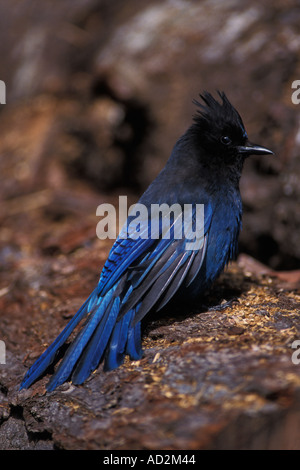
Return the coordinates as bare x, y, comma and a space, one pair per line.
221, 130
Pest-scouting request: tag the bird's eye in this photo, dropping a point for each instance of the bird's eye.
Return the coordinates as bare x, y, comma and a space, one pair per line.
225, 140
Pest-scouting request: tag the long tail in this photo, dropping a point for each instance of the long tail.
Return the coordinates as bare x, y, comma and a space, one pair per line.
103, 337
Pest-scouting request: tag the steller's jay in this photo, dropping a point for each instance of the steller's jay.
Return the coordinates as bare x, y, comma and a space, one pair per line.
144, 273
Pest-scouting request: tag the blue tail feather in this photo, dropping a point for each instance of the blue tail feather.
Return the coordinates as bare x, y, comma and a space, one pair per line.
99, 312
133, 347
117, 345
102, 332
134, 342
94, 351
47, 358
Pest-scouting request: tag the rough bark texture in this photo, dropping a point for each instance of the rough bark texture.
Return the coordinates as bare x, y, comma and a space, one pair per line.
219, 377
97, 94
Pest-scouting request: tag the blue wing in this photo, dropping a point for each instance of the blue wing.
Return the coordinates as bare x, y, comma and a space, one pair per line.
139, 274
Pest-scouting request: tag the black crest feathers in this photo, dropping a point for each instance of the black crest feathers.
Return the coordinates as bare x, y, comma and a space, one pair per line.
214, 113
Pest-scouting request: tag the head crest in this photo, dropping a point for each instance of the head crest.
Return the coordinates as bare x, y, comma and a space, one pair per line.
214, 113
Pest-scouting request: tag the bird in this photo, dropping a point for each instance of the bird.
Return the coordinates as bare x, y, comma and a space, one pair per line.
144, 274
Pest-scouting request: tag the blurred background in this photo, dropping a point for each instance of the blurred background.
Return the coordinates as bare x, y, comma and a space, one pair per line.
98, 91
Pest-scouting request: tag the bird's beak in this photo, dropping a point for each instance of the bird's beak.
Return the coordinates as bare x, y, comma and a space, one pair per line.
253, 149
